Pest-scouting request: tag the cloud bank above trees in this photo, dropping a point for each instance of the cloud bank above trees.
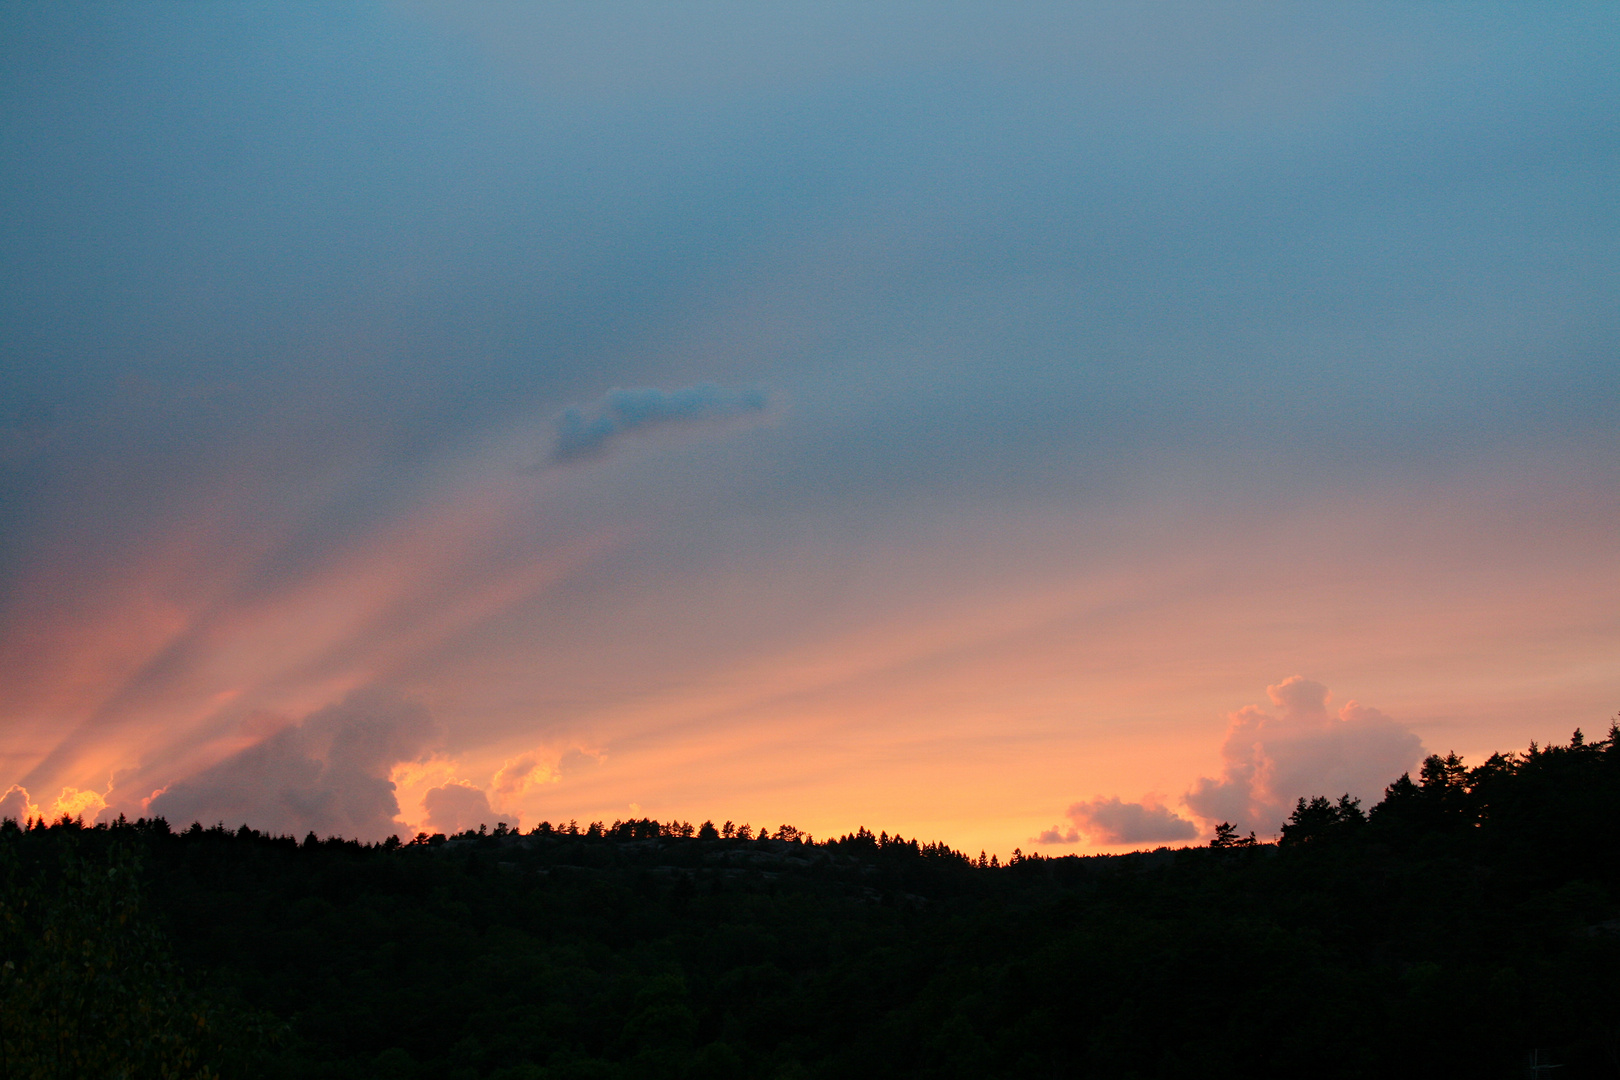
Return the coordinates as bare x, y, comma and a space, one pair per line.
1271, 760
328, 774
459, 806
1110, 821
341, 771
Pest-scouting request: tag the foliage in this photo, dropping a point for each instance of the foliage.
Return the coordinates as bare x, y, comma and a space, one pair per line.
1226, 836
1468, 919
87, 985
1319, 820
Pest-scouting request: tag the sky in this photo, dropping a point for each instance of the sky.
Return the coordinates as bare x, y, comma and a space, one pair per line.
1058, 427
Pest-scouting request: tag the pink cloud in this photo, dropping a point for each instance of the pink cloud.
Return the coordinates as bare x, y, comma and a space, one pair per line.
518, 776
1112, 821
456, 807
15, 805
328, 774
1270, 760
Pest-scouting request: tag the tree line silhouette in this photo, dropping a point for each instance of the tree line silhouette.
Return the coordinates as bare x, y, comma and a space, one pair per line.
1466, 920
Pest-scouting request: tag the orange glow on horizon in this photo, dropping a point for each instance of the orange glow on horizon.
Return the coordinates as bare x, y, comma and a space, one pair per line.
973, 715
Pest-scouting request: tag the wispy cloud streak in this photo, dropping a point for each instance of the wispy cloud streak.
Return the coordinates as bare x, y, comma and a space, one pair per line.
589, 431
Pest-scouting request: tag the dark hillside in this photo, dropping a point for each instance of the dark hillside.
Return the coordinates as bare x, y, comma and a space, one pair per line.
1466, 920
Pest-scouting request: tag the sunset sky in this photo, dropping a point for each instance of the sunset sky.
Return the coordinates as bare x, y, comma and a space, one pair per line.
1057, 426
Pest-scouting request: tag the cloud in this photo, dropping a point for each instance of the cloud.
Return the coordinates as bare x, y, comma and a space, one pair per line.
456, 807
15, 805
1273, 760
522, 774
78, 802
585, 432
1111, 821
328, 774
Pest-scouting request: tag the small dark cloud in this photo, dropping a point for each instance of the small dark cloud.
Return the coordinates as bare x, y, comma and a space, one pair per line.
1111, 821
456, 807
589, 431
328, 774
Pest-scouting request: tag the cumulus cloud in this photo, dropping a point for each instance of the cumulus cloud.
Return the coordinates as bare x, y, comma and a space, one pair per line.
328, 774
589, 431
1273, 759
457, 806
522, 774
15, 805
1112, 821
79, 802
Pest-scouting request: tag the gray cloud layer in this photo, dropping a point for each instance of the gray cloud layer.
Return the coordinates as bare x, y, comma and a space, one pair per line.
589, 431
328, 774
454, 808
14, 804
1112, 821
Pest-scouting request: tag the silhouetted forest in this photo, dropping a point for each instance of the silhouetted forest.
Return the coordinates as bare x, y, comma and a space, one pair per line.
1466, 920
